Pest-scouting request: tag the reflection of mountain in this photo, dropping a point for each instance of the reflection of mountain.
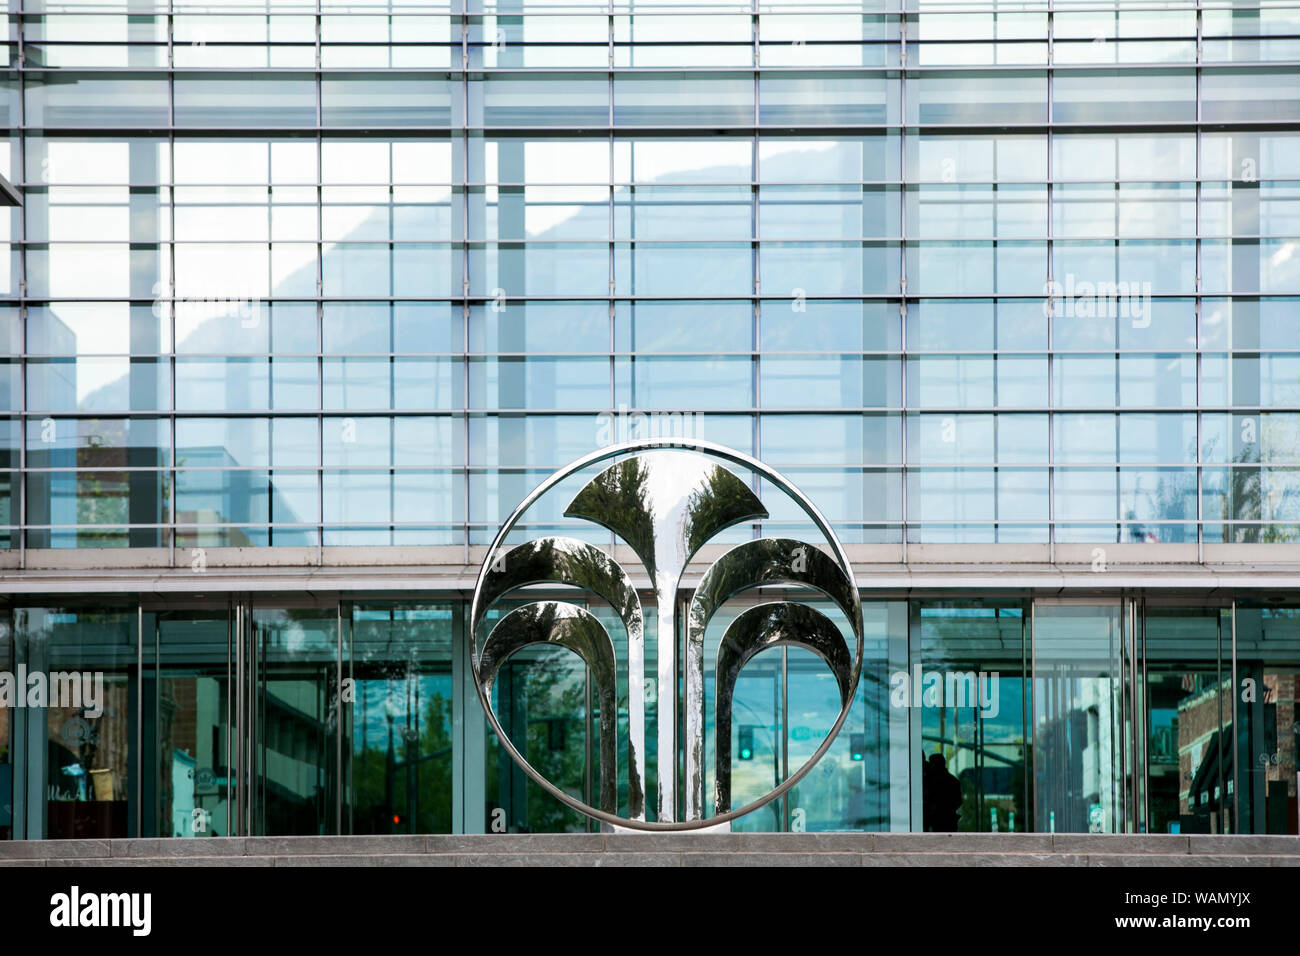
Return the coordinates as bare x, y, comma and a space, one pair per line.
667, 207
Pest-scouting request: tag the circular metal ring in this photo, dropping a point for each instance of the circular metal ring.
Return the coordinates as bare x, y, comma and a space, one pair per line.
615, 451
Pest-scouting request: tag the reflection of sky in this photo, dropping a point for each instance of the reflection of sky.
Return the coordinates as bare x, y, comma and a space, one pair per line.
410, 699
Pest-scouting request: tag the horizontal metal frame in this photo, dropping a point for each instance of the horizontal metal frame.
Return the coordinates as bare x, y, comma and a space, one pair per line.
911, 240
1209, 581
1171, 351
453, 72
741, 10
663, 130
747, 409
540, 467
891, 185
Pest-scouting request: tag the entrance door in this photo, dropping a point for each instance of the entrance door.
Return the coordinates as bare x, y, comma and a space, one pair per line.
398, 729
1081, 718
1188, 716
970, 658
187, 768
76, 727
1267, 732
292, 666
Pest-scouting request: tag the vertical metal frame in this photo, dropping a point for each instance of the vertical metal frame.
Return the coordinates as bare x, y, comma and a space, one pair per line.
138, 789
342, 780
1235, 691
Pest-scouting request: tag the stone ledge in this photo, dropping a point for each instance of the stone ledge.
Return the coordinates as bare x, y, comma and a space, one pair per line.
670, 849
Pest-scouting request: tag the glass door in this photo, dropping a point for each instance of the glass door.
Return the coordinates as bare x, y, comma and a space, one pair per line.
77, 727
1267, 731
1188, 719
292, 665
6, 741
187, 772
968, 683
398, 727
1080, 718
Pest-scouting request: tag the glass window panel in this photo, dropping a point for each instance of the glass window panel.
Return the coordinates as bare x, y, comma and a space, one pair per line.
829, 325
825, 159
684, 269
829, 381
88, 99
831, 439
244, 100
820, 99
561, 382
977, 98
1239, 95
98, 384
678, 326
1157, 438
681, 212
1084, 380
386, 101
511, 270
950, 381
541, 101
686, 382
710, 99
829, 268
96, 328
1106, 97
1168, 380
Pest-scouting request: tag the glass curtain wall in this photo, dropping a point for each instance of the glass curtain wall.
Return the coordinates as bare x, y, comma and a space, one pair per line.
337, 276
1140, 712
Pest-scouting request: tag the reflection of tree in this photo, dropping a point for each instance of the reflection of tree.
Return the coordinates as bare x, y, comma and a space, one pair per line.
550, 688
619, 499
712, 507
1245, 498
376, 769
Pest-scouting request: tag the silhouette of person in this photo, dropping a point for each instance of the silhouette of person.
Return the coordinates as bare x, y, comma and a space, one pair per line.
940, 796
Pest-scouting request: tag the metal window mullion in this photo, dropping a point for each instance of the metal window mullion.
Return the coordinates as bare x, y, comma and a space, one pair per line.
232, 688
1236, 703
902, 275
466, 499
171, 280
1050, 308
21, 523
755, 261
320, 327
339, 778
1200, 478
138, 790
612, 258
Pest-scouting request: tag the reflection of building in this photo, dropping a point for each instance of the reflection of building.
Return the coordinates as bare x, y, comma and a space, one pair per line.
1204, 758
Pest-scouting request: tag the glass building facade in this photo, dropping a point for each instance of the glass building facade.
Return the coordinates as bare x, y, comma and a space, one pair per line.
303, 299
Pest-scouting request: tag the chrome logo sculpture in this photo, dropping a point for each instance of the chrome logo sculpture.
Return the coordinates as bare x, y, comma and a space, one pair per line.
666, 498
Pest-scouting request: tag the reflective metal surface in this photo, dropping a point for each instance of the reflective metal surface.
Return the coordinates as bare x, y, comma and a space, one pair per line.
757, 629
666, 505
574, 562
554, 622
767, 561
